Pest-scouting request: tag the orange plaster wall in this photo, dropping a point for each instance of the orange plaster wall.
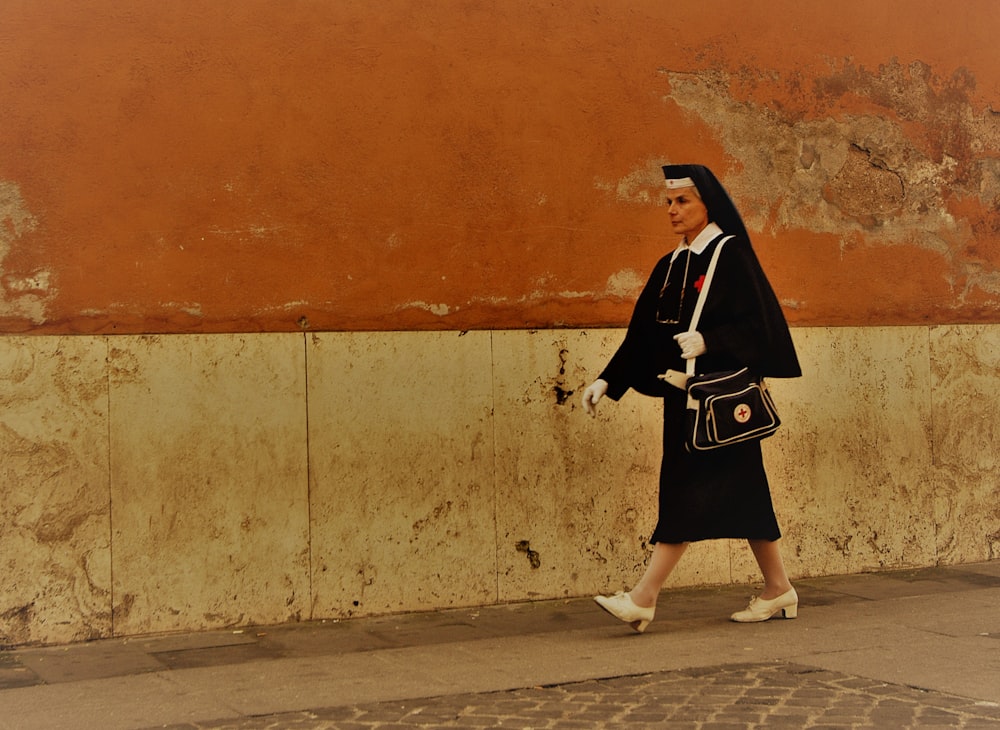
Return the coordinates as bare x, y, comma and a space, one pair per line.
245, 165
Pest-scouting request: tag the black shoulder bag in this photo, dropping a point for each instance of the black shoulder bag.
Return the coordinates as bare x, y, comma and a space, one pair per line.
727, 407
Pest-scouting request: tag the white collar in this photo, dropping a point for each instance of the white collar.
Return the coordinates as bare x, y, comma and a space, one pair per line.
700, 242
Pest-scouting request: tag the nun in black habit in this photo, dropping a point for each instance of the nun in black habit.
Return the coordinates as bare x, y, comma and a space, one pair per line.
715, 494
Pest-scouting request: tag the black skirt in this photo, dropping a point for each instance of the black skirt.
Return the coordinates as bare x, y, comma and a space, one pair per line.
708, 495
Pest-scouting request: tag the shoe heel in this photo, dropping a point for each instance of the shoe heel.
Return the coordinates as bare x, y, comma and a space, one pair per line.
790, 611
639, 626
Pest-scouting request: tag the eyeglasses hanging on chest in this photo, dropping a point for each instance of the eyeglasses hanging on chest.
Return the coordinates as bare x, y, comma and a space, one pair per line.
665, 310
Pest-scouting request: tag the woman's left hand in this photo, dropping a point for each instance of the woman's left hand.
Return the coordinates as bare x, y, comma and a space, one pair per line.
692, 344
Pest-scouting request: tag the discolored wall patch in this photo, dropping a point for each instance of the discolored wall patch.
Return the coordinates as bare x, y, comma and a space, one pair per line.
22, 295
882, 157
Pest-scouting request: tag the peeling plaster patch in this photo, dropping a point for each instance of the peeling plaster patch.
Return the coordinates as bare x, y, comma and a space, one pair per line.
625, 283
39, 282
644, 185
119, 308
261, 231
615, 289
437, 309
294, 306
859, 172
20, 296
541, 293
302, 321
864, 191
793, 163
243, 234
989, 184
14, 216
192, 308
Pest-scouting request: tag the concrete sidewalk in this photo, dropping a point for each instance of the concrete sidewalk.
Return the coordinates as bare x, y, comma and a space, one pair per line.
902, 649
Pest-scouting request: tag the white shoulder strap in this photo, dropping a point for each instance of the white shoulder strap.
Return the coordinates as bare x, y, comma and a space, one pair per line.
702, 296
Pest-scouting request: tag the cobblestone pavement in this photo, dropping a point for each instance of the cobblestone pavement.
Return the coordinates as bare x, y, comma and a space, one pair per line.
720, 698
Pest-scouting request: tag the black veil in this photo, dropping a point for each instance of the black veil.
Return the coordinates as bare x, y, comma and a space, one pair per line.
779, 358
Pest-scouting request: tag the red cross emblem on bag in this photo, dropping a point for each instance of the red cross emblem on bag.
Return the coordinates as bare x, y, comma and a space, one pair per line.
742, 413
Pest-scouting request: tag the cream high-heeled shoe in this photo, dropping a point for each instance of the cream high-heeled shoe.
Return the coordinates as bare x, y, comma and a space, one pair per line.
624, 609
760, 610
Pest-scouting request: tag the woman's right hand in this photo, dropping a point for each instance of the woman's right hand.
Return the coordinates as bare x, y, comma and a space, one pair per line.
593, 394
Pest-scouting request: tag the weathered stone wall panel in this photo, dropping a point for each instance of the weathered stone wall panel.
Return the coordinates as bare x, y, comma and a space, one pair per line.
401, 472
851, 470
209, 490
55, 551
966, 420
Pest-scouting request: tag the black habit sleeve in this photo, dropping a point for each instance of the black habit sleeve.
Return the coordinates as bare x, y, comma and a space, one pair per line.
638, 359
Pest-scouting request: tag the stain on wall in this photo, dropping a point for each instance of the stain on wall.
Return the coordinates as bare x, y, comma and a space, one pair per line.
897, 161
22, 296
252, 166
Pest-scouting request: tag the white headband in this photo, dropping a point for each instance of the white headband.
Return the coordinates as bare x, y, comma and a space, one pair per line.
682, 182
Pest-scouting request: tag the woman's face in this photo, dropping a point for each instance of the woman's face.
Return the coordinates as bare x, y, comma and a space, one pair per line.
688, 215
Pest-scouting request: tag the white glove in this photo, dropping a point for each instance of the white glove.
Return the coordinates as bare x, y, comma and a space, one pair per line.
593, 394
692, 344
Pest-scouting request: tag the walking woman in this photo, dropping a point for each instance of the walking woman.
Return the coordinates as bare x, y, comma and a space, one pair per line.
721, 493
